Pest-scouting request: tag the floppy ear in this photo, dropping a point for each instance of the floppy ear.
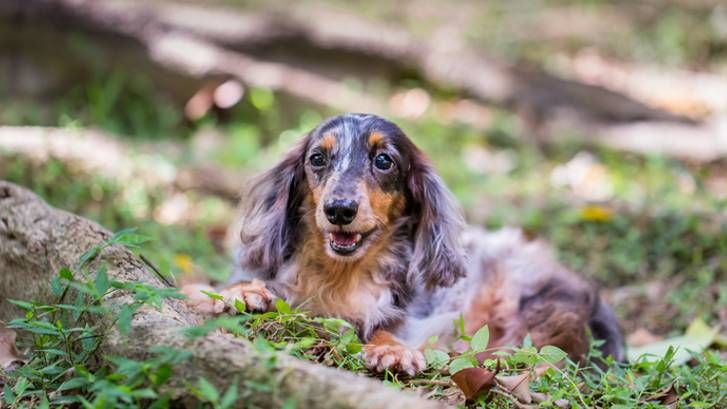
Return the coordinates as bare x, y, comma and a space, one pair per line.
271, 214
437, 254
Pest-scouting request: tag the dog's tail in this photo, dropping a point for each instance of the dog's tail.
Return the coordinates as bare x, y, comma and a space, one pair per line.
604, 327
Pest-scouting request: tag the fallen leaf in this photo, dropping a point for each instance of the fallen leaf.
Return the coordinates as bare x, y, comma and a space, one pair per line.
539, 397
641, 337
667, 396
184, 263
474, 382
596, 214
9, 355
697, 337
516, 385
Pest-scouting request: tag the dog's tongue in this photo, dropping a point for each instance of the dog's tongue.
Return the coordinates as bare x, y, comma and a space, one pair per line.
344, 238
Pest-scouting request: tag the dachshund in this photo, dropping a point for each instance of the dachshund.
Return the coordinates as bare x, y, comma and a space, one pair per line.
355, 223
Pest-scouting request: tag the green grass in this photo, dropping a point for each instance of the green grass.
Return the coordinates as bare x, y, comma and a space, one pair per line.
65, 367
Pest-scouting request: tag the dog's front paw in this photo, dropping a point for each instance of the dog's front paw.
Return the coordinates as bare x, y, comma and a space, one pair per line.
255, 296
201, 302
396, 358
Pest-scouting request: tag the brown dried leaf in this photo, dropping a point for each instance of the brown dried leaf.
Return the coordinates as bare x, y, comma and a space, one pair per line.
668, 396
641, 337
516, 385
9, 355
474, 382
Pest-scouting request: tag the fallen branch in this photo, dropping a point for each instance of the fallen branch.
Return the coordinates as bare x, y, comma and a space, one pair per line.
306, 56
94, 152
37, 240
204, 42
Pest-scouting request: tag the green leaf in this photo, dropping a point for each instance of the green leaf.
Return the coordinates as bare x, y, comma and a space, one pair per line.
73, 383
304, 343
282, 306
436, 358
124, 322
213, 295
207, 391
460, 363
526, 355
480, 340
354, 347
290, 403
145, 393
127, 238
160, 403
697, 338
66, 274
332, 324
21, 385
85, 258
22, 304
79, 305
230, 396
102, 283
348, 337
55, 287
8, 395
239, 306
552, 354
53, 351
43, 404
161, 375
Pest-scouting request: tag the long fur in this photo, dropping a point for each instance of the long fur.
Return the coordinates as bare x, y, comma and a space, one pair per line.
437, 254
271, 213
421, 269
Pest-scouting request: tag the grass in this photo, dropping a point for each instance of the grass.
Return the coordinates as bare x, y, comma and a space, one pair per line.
65, 368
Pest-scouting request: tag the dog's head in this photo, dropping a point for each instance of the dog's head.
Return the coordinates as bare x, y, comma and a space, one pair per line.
354, 181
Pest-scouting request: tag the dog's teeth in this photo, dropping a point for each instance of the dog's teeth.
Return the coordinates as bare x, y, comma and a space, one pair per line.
357, 237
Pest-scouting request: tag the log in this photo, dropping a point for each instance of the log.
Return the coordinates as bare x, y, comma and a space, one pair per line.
95, 152
36, 240
307, 56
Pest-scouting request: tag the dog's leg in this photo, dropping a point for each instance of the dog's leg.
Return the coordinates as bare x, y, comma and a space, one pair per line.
253, 294
384, 351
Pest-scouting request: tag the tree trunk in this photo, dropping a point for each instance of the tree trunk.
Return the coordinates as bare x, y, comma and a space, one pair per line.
36, 240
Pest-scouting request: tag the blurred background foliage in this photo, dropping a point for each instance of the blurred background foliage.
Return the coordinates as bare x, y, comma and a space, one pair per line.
649, 229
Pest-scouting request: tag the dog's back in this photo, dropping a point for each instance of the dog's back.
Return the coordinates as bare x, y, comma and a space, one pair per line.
517, 287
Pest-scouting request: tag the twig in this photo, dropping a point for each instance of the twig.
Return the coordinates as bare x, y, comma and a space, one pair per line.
433, 382
157, 272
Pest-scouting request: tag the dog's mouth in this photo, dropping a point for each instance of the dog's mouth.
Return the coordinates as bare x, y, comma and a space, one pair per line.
345, 242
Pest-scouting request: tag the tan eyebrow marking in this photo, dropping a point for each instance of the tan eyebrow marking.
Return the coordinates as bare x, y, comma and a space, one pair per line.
328, 142
375, 138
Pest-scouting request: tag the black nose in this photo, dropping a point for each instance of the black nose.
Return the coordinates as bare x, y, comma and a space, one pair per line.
341, 211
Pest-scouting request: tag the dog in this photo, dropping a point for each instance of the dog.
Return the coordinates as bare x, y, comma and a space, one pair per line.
355, 223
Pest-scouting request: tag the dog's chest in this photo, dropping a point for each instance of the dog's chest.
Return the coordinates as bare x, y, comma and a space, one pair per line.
359, 297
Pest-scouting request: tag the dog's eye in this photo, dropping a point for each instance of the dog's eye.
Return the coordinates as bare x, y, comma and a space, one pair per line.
317, 160
383, 161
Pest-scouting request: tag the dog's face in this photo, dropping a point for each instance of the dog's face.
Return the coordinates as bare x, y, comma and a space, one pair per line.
352, 181
356, 174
